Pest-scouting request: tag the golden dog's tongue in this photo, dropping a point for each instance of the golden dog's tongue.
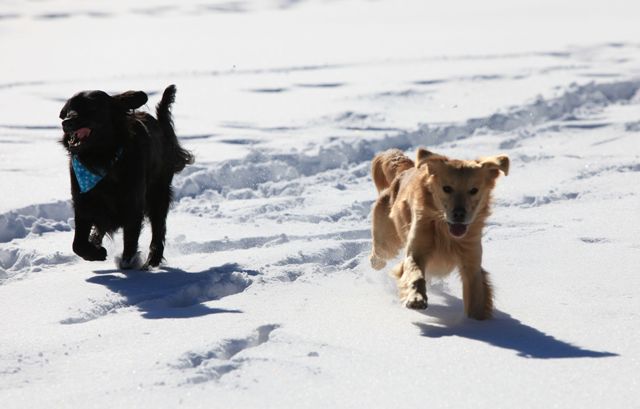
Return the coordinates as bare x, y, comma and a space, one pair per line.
457, 229
83, 133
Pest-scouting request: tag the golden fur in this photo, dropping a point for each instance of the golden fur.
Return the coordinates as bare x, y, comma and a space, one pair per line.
436, 209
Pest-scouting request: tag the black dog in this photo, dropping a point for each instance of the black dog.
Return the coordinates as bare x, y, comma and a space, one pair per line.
122, 163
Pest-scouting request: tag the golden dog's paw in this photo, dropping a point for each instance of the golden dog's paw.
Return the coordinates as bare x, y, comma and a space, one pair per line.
480, 314
415, 301
376, 262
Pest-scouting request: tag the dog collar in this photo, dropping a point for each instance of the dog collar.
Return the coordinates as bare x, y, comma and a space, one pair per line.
86, 178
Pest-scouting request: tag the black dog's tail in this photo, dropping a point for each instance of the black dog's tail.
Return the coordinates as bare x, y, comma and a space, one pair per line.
163, 111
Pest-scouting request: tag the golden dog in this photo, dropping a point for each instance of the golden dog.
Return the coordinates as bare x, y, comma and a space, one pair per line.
435, 209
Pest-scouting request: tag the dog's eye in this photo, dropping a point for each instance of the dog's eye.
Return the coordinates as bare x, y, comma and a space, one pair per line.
447, 189
473, 191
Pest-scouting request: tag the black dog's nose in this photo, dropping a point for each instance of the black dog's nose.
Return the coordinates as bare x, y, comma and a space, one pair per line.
69, 120
459, 214
67, 124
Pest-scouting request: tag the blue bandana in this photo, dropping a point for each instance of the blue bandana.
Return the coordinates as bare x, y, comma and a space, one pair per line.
87, 179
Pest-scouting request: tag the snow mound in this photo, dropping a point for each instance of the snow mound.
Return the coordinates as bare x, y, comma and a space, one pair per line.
15, 261
36, 219
261, 169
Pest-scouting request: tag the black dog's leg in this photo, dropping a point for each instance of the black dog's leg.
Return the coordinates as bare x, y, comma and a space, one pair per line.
96, 237
131, 232
83, 247
158, 218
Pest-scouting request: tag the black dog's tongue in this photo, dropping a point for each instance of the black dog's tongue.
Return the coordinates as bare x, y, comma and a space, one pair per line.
457, 229
82, 133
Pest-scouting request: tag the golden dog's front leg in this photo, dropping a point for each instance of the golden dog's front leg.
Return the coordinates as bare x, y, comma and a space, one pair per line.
476, 288
410, 273
412, 284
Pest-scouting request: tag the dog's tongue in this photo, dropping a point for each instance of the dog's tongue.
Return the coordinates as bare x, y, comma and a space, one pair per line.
83, 133
457, 229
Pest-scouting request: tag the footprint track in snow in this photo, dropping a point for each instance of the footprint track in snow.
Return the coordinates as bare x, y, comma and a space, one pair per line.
282, 167
266, 241
16, 261
339, 255
619, 168
213, 363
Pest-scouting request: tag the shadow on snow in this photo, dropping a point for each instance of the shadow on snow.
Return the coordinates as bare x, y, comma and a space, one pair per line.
174, 293
502, 331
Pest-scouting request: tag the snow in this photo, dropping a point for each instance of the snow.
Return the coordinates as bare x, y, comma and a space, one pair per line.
266, 298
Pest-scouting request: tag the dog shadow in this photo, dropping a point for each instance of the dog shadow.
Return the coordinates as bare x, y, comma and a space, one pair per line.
175, 293
502, 331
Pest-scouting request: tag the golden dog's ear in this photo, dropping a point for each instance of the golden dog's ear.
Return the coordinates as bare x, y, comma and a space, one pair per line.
422, 156
131, 99
432, 161
499, 162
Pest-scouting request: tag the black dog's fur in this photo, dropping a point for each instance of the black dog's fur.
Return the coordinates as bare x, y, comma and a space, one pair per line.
139, 154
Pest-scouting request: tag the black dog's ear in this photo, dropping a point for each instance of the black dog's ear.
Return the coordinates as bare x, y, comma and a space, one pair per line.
131, 99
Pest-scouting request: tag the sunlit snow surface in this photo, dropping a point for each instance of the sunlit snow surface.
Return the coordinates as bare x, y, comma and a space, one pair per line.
266, 298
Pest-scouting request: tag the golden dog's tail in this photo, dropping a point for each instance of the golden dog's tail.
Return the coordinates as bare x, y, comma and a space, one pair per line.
387, 165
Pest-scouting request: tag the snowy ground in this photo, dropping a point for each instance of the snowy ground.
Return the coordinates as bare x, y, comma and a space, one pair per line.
266, 298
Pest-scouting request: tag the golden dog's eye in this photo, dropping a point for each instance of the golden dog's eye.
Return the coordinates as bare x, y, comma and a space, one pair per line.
447, 189
473, 191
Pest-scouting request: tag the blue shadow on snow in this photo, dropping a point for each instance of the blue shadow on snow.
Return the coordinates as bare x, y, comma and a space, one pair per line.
502, 331
174, 293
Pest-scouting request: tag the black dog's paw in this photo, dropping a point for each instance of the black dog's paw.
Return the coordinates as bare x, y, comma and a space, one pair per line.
90, 252
151, 263
154, 260
155, 256
132, 263
100, 254
148, 265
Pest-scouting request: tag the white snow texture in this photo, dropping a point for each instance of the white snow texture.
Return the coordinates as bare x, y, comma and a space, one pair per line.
266, 298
